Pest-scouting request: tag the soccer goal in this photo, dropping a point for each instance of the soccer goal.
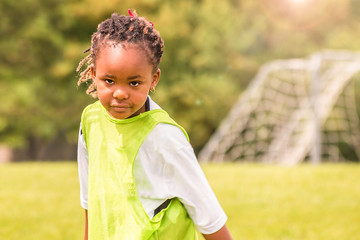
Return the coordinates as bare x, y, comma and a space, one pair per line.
293, 111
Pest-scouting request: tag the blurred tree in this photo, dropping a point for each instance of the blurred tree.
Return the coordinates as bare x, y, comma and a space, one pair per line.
36, 82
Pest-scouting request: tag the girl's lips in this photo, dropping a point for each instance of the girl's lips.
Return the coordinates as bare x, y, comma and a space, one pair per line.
123, 105
119, 108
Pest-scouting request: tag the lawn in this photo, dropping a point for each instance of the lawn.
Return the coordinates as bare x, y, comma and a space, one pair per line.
40, 201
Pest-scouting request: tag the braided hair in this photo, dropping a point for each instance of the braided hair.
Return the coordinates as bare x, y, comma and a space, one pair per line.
120, 29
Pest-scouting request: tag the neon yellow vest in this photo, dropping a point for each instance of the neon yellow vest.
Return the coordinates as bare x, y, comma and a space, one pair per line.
115, 211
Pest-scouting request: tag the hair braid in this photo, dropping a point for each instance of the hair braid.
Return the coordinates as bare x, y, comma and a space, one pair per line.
120, 29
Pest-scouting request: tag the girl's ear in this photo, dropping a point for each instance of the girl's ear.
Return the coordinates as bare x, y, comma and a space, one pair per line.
155, 78
93, 71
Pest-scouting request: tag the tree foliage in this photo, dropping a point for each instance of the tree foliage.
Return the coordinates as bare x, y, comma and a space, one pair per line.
212, 51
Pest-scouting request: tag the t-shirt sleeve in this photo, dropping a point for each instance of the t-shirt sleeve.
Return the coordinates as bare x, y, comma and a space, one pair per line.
186, 179
83, 168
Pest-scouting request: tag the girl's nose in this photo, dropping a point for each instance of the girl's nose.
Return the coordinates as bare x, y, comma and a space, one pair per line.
120, 93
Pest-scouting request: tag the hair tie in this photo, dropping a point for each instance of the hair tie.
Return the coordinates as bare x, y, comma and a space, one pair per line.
130, 13
132, 16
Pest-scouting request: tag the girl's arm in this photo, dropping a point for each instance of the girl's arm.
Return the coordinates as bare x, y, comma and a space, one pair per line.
181, 170
86, 225
83, 168
222, 234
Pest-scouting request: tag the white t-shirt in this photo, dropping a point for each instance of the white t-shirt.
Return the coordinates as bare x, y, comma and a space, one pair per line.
165, 168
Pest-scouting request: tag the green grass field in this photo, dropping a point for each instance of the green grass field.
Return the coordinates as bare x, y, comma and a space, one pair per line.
40, 201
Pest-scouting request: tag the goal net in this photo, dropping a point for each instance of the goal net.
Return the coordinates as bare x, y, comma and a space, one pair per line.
294, 110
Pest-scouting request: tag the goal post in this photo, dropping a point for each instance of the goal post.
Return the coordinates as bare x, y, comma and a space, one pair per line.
294, 110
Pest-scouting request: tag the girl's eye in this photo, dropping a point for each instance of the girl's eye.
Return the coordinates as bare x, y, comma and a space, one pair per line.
134, 84
109, 81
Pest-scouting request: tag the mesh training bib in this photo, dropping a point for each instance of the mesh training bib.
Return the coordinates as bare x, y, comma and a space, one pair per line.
115, 211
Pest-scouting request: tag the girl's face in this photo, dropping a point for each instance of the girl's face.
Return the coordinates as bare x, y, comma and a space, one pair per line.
123, 79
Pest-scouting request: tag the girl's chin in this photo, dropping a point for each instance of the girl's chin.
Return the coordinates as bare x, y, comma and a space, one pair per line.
119, 114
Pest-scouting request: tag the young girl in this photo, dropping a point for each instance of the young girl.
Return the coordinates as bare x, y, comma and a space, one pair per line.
139, 177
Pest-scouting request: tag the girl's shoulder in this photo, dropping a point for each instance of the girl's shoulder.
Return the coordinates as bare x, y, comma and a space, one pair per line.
166, 144
167, 130
166, 138
95, 106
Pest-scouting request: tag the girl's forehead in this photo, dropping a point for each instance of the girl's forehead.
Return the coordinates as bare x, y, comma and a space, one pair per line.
117, 58
114, 49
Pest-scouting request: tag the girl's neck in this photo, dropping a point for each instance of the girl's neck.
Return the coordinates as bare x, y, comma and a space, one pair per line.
147, 105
